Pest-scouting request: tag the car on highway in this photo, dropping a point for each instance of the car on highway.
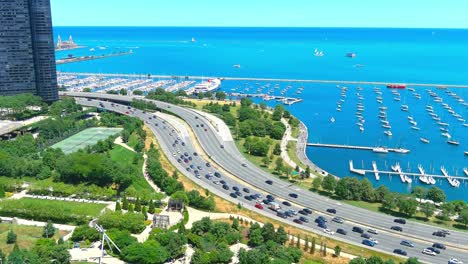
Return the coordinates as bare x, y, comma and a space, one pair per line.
293, 195
208, 164
286, 203
217, 174
270, 197
281, 214
373, 231
216, 182
341, 231
244, 165
222, 146
320, 219
400, 221
222, 181
270, 182
331, 210
368, 242
428, 252
400, 252
445, 231
322, 225
248, 197
407, 243
179, 160
303, 219
298, 221
302, 212
225, 187
439, 234
434, 249
365, 235
307, 210
328, 231
233, 195
338, 220
195, 154
454, 261
259, 206
357, 229
235, 188
238, 193
439, 246
397, 228
246, 190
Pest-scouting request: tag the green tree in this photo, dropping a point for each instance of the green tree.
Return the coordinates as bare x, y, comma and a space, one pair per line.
316, 182
49, 230
463, 217
412, 260
235, 224
389, 201
144, 212
137, 205
220, 95
427, 209
329, 183
419, 192
255, 238
83, 233
131, 208
281, 237
151, 208
407, 206
279, 165
312, 247
61, 255
266, 161
337, 251
253, 256
11, 237
268, 232
118, 207
277, 149
436, 194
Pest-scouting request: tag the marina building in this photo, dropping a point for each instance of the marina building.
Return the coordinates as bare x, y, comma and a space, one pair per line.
27, 56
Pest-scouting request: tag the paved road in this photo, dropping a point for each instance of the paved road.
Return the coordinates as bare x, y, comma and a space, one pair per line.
231, 160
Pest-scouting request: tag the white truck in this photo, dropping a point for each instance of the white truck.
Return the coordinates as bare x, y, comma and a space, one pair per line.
274, 206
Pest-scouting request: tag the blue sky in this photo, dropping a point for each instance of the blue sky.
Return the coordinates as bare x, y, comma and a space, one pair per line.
263, 13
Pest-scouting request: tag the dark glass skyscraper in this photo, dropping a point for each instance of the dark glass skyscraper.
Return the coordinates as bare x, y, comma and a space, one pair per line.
27, 57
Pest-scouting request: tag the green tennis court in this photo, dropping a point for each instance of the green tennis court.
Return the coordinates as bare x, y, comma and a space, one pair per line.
85, 138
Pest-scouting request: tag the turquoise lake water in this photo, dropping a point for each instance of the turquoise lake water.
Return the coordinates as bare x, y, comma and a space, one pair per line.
387, 55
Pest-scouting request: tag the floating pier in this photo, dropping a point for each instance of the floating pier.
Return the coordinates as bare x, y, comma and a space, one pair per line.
376, 171
398, 171
398, 150
92, 57
285, 100
352, 169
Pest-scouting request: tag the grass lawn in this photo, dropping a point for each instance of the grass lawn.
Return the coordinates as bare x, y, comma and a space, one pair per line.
53, 206
295, 132
127, 158
291, 147
133, 140
26, 236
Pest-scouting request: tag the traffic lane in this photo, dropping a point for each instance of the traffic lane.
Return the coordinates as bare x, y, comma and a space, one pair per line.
168, 142
378, 221
190, 121
215, 148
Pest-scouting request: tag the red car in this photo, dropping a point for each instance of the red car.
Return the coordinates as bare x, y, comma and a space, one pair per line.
259, 206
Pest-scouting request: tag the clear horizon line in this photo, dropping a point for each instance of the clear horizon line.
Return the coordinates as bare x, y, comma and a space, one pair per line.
295, 27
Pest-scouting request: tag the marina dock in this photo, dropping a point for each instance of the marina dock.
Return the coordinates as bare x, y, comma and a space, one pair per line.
338, 82
362, 172
357, 171
376, 171
403, 151
92, 57
283, 99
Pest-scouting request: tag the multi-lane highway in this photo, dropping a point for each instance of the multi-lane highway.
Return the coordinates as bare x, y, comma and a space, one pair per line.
226, 155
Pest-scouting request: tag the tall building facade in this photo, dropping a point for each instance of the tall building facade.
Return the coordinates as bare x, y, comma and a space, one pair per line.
27, 57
